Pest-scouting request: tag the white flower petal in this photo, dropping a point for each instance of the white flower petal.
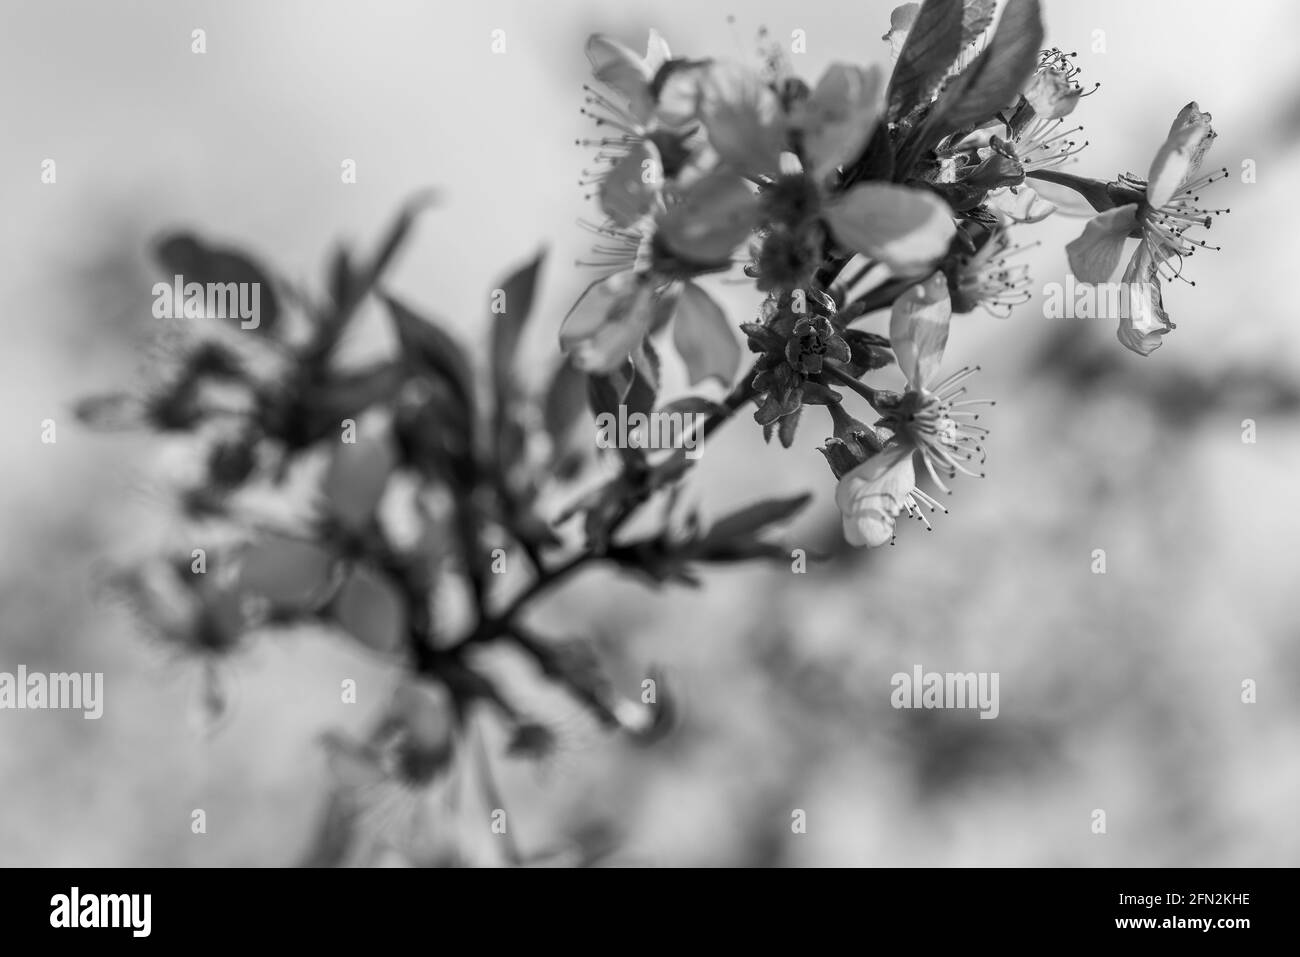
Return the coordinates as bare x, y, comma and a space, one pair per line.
626, 323
621, 69
704, 338
1019, 205
1143, 321
840, 116
1095, 255
743, 118
595, 306
1179, 158
900, 24
656, 52
628, 191
712, 217
1051, 94
907, 229
918, 329
870, 496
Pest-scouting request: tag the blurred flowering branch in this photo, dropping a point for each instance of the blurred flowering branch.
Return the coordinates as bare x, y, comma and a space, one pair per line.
375, 499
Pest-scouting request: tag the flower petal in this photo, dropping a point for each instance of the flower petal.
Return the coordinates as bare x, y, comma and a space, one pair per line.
743, 119
918, 329
713, 216
1143, 320
1019, 205
1051, 94
1096, 253
629, 189
900, 25
625, 327
1179, 158
906, 229
704, 337
593, 307
871, 495
840, 116
656, 52
621, 69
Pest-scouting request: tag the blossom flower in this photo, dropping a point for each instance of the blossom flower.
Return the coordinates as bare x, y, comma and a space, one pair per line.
647, 286
907, 229
1158, 213
930, 419
646, 120
986, 278
1035, 138
398, 787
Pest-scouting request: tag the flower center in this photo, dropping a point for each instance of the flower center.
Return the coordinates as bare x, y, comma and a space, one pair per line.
1163, 229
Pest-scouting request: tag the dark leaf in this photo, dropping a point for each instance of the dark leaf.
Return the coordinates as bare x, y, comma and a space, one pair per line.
754, 518
508, 322
349, 394
564, 400
694, 405
931, 48
430, 351
349, 286
996, 76
876, 162
187, 256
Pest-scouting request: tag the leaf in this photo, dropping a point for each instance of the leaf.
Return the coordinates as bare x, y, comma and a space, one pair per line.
287, 571
992, 81
564, 399
185, 255
931, 48
428, 350
704, 338
508, 324
392, 242
356, 478
754, 518
349, 286
338, 396
693, 405
371, 610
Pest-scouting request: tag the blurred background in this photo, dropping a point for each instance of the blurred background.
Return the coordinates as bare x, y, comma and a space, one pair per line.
1119, 691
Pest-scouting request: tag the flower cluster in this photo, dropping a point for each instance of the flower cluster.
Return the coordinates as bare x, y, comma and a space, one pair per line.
869, 189
419, 503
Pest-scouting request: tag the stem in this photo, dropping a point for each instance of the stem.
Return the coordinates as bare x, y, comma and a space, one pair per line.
861, 388
1097, 193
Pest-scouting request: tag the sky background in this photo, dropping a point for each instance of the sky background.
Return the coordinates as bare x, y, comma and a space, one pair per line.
1119, 691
